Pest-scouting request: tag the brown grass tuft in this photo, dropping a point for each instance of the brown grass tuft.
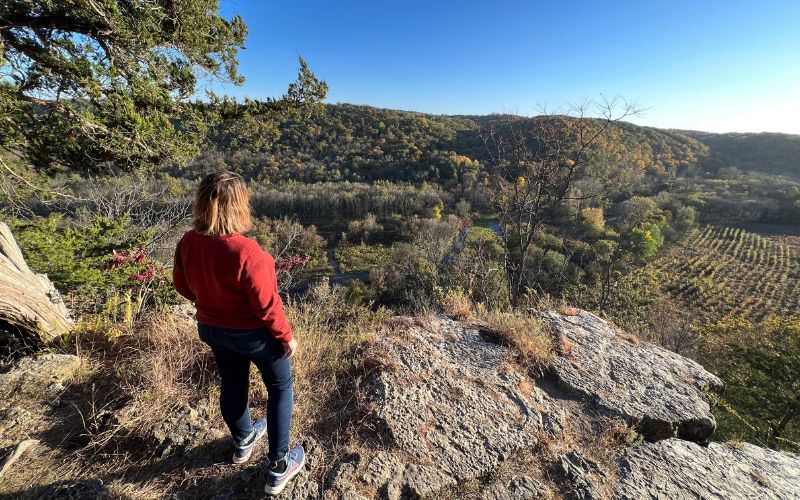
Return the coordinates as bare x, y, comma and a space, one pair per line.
630, 338
564, 347
525, 388
457, 305
525, 334
615, 433
568, 311
376, 361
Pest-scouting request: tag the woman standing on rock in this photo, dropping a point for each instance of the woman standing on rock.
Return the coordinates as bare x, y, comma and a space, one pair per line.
232, 282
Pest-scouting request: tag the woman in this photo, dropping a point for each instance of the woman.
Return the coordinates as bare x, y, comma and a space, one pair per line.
240, 316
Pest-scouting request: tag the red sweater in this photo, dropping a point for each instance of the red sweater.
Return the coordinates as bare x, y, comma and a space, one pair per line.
232, 282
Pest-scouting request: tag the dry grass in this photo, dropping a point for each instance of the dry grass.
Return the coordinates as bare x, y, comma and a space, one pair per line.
100, 427
615, 434
525, 388
103, 430
568, 311
331, 334
167, 359
457, 305
630, 338
531, 341
564, 346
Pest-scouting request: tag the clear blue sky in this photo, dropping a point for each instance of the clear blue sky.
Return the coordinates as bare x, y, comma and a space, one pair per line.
702, 64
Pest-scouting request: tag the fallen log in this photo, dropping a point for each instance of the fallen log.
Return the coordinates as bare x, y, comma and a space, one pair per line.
30, 305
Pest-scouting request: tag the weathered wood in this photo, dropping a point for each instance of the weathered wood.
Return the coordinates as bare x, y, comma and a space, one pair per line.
18, 451
29, 302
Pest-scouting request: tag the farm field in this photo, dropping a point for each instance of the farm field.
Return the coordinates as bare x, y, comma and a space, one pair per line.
720, 271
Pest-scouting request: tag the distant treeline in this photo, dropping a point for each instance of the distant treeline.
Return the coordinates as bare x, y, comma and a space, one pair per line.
361, 143
765, 152
343, 147
346, 201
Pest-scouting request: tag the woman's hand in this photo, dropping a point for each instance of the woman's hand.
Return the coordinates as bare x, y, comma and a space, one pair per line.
290, 348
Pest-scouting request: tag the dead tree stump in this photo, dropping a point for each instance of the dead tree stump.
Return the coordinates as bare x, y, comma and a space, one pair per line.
30, 305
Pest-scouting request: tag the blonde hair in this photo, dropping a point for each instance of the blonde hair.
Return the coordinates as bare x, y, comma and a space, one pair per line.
222, 205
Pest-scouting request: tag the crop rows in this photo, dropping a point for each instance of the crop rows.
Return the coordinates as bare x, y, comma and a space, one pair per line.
722, 271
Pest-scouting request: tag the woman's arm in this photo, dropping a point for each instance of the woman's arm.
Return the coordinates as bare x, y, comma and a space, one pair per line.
261, 283
179, 277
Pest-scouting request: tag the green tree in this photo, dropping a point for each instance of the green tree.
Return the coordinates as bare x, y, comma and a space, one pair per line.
644, 241
536, 164
592, 221
636, 239
74, 257
760, 364
99, 84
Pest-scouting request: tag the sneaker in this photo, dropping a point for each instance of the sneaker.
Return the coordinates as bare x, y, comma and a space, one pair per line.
243, 452
282, 471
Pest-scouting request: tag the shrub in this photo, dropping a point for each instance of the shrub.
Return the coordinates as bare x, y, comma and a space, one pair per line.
365, 230
759, 363
96, 263
362, 257
358, 293
299, 251
409, 281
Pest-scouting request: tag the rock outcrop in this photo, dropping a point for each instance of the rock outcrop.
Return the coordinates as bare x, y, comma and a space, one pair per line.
29, 303
43, 374
454, 408
451, 414
678, 469
518, 488
450, 398
183, 430
660, 392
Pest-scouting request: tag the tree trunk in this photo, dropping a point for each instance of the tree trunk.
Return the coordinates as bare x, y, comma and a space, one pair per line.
777, 430
29, 303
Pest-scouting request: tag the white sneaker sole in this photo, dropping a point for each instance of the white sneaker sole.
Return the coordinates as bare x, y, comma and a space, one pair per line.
269, 490
244, 458
252, 447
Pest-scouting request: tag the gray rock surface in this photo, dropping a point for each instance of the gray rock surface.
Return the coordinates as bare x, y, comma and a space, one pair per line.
518, 488
394, 479
662, 392
380, 468
182, 430
585, 477
302, 488
93, 489
37, 375
14, 422
675, 469
448, 399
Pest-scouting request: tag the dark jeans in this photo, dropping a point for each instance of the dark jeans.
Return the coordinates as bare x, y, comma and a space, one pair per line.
234, 350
